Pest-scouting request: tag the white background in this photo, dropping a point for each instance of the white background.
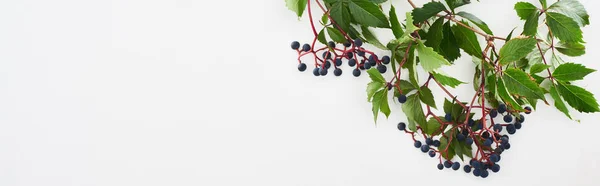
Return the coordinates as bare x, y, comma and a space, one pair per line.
190, 92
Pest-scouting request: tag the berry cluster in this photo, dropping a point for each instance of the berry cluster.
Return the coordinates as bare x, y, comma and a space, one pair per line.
350, 51
487, 137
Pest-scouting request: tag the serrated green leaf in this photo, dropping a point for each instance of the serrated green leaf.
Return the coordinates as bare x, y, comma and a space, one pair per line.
556, 60
579, 98
544, 4
406, 86
378, 1
430, 60
414, 111
297, 6
448, 44
571, 72
411, 65
448, 155
572, 9
453, 4
371, 39
475, 20
510, 35
516, 49
427, 97
321, 37
571, 49
412, 125
428, 10
563, 27
336, 35
467, 40
447, 106
324, 19
410, 27
373, 87
375, 75
396, 28
341, 15
435, 34
506, 97
537, 68
518, 82
367, 14
433, 126
446, 80
380, 103
558, 102
531, 25
525, 9
491, 85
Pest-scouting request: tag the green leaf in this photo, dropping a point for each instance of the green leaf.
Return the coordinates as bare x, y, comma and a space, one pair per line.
411, 65
571, 72
579, 98
378, 1
525, 9
518, 82
447, 106
544, 4
325, 19
572, 9
515, 49
433, 126
537, 68
336, 35
571, 49
453, 4
410, 27
491, 85
428, 10
373, 87
406, 86
475, 20
556, 60
396, 28
563, 27
375, 75
321, 37
371, 39
367, 14
467, 40
510, 34
446, 80
430, 60
380, 103
445, 145
297, 6
426, 96
506, 97
531, 25
341, 15
414, 111
448, 44
558, 102
435, 34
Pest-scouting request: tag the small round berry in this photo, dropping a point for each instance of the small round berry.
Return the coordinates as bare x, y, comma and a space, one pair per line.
367, 65
479, 124
327, 65
518, 125
301, 67
484, 173
521, 118
455, 166
447, 164
504, 139
373, 58
502, 108
495, 168
316, 71
381, 68
347, 44
360, 53
326, 55
401, 126
372, 63
499, 150
356, 72
402, 98
295, 45
440, 166
471, 122
467, 168
498, 128
448, 117
436, 143
306, 47
323, 72
351, 62
361, 65
485, 134
460, 137
477, 172
508, 118
358, 42
385, 60
488, 142
511, 129
417, 144
494, 158
493, 113
432, 154
428, 141
424, 148
331, 44
507, 146
350, 55
527, 110
337, 72
469, 141
476, 164
338, 62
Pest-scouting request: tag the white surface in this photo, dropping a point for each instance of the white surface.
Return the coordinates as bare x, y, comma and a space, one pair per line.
183, 92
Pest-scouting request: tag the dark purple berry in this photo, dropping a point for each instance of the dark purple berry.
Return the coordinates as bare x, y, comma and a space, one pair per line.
417, 144
367, 65
424, 148
467, 168
331, 44
323, 72
448, 117
306, 47
494, 158
316, 71
495, 168
385, 60
455, 166
502, 108
488, 142
493, 113
447, 164
436, 143
428, 141
381, 68
347, 44
350, 55
469, 141
477, 172
440, 166
402, 98
401, 126
326, 55
527, 110
337, 72
484, 173
295, 45
356, 72
338, 62
358, 42
518, 125
351, 62
521, 118
301, 67
498, 128
432, 154
508, 118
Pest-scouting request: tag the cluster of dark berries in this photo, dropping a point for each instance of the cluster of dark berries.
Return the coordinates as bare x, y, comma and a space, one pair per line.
333, 56
489, 139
